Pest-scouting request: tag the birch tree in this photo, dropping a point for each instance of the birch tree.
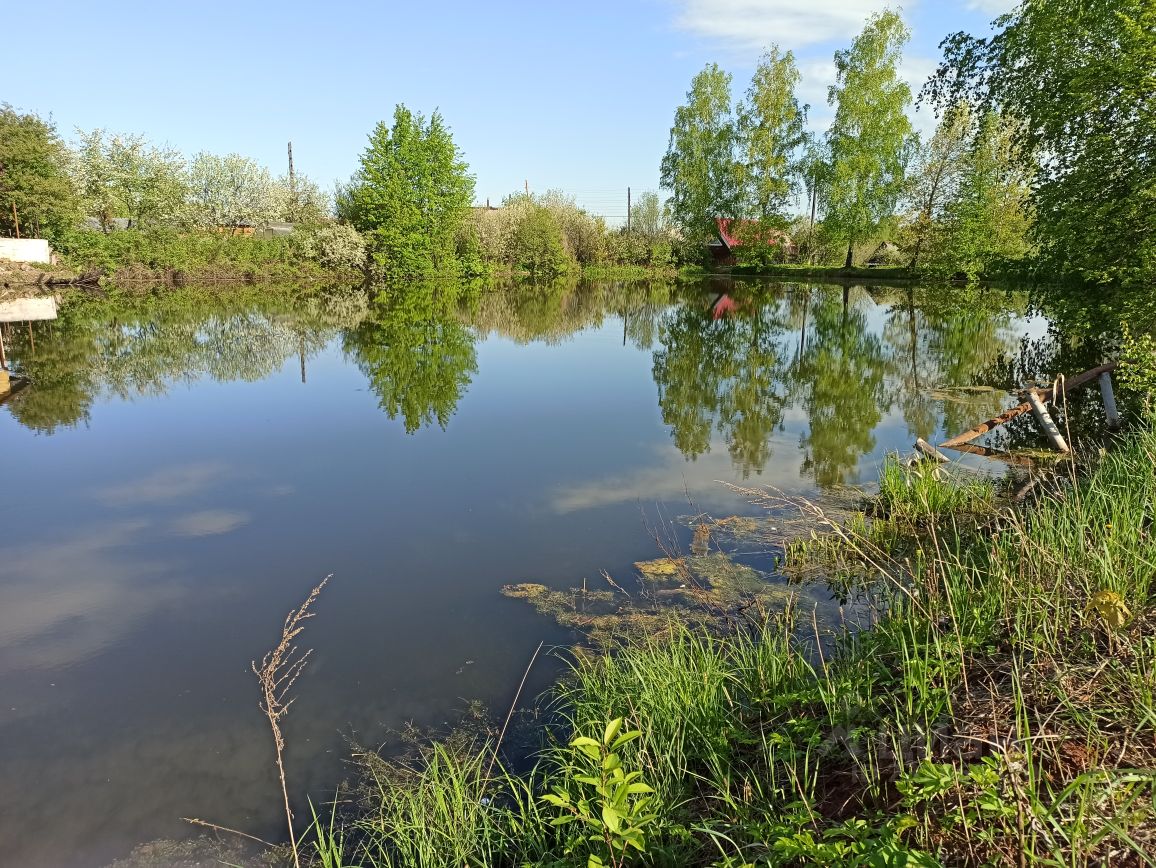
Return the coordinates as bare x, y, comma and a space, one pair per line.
771, 125
871, 138
699, 167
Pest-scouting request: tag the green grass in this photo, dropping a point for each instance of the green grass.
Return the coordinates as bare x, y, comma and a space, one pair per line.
928, 492
999, 708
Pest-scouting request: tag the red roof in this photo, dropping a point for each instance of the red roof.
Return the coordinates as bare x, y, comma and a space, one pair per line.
726, 224
723, 305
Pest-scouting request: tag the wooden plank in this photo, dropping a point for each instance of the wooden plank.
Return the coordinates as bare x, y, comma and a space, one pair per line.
929, 451
1026, 407
995, 454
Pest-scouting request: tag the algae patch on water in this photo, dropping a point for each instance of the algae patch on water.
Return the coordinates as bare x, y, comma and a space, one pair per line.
698, 590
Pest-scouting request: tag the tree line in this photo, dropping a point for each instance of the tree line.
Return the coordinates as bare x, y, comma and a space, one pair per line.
50, 186
1042, 158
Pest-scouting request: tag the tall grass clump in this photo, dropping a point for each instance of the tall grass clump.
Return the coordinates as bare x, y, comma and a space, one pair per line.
927, 492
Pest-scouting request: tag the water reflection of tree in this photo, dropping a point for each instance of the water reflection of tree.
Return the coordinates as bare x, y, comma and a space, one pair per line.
415, 352
946, 338
840, 381
723, 375
552, 312
133, 345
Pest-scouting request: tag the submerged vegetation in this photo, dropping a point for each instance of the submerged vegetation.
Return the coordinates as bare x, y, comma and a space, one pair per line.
995, 705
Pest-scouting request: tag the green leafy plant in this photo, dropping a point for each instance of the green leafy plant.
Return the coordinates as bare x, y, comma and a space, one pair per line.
612, 802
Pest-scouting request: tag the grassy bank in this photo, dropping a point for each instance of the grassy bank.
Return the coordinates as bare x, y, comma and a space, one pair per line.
999, 708
887, 274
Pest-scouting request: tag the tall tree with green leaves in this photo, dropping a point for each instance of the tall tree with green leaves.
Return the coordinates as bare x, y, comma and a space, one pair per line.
936, 174
699, 168
989, 218
871, 138
411, 195
771, 125
646, 214
34, 178
1080, 75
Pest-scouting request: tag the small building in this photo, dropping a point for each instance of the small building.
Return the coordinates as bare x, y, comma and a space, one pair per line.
731, 234
273, 229
887, 253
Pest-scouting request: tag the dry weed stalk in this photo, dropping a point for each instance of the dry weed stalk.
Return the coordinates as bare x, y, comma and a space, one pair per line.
276, 673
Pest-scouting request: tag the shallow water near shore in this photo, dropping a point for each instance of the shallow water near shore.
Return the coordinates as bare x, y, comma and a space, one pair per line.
185, 467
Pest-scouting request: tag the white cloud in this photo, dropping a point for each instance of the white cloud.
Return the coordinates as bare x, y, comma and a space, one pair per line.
790, 23
993, 7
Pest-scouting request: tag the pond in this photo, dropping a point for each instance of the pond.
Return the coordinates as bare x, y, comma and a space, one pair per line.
187, 464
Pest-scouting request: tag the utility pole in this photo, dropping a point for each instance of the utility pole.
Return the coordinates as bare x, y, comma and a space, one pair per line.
627, 209
292, 174
527, 182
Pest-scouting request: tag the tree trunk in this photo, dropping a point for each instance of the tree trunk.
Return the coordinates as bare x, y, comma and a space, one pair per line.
850, 254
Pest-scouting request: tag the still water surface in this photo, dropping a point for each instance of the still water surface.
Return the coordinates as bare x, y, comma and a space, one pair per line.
185, 468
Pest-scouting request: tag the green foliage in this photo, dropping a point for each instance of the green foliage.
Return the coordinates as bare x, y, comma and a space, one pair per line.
699, 167
410, 196
537, 246
871, 138
646, 217
334, 246
772, 126
1078, 77
926, 492
652, 250
987, 220
936, 174
165, 249
34, 177
1138, 363
417, 355
611, 801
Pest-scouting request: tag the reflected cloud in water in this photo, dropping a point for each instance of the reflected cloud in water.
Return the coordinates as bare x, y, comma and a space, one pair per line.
66, 599
165, 485
209, 522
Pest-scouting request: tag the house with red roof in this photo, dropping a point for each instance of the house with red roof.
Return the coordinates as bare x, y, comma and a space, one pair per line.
731, 234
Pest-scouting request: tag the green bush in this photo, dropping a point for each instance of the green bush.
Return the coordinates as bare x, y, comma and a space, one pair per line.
163, 248
334, 245
537, 246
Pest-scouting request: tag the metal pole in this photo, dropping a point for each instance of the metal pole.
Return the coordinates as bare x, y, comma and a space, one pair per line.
1047, 422
1109, 401
628, 227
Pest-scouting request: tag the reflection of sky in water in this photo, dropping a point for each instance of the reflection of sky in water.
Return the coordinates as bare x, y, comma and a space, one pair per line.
151, 552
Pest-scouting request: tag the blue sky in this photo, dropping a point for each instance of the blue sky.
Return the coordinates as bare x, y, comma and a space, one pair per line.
576, 96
